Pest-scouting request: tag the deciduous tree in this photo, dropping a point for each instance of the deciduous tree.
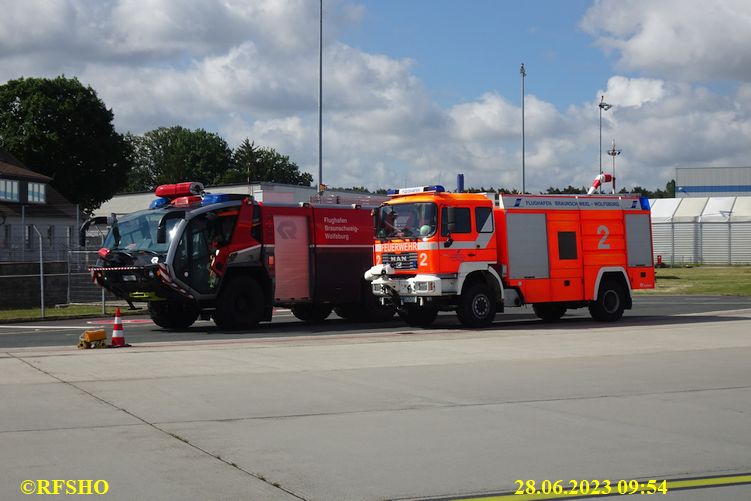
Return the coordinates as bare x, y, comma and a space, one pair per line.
175, 154
60, 128
255, 163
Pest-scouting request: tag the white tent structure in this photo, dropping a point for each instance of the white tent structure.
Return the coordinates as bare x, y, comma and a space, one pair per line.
740, 231
663, 236
702, 230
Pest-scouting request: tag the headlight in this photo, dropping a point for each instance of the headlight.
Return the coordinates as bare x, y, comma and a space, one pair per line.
424, 286
377, 288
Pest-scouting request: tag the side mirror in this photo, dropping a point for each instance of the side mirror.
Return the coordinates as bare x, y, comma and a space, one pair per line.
161, 229
85, 227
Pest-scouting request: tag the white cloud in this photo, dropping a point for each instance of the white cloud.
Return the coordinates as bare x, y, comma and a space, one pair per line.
490, 117
634, 92
51, 24
250, 69
698, 40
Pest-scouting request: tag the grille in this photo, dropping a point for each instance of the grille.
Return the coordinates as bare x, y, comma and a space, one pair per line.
402, 261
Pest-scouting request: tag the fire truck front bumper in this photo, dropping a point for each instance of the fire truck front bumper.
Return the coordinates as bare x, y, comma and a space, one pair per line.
412, 287
134, 283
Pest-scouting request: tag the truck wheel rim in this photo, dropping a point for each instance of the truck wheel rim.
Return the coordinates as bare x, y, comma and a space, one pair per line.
480, 306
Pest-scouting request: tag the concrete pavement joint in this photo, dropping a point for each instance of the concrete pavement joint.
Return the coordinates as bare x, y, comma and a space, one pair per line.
439, 405
161, 430
69, 428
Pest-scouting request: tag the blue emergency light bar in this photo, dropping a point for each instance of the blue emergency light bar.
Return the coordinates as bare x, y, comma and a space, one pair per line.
158, 203
644, 201
437, 188
215, 198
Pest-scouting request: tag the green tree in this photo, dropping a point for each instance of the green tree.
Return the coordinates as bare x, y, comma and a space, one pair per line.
355, 189
670, 189
176, 154
482, 189
255, 163
60, 128
568, 190
644, 192
668, 192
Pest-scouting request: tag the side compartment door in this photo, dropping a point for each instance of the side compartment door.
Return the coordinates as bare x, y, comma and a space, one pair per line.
566, 277
527, 245
291, 255
528, 263
639, 251
638, 240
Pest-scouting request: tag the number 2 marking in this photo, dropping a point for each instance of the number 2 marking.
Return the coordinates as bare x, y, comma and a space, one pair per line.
605, 232
423, 259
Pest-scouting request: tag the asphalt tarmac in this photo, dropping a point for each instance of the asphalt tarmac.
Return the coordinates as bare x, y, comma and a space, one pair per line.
345, 411
647, 310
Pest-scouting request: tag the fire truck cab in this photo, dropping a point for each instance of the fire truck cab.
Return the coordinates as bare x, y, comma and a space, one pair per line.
457, 251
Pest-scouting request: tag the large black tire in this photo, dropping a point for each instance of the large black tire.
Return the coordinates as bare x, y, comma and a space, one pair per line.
548, 312
610, 302
418, 316
240, 304
173, 314
312, 313
477, 306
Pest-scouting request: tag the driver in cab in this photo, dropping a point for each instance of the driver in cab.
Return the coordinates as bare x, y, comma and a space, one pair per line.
399, 227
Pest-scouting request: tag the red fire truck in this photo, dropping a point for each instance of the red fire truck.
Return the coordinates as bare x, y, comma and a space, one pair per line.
229, 257
455, 251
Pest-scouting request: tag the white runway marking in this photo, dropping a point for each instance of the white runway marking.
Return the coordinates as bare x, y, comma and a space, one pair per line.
53, 327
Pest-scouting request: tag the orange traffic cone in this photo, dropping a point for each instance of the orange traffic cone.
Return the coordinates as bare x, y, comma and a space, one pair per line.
118, 339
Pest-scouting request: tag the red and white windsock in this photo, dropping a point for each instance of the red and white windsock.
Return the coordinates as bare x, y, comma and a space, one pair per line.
118, 339
599, 180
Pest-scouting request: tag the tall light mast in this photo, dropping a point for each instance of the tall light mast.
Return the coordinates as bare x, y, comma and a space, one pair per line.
614, 153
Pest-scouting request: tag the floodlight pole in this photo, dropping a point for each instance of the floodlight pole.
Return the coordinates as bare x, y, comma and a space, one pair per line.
603, 106
320, 99
523, 74
614, 153
41, 271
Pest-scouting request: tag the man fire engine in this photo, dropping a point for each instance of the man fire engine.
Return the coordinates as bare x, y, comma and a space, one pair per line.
229, 257
455, 251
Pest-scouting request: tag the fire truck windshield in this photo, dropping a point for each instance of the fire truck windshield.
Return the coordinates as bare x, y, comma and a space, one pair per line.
407, 220
137, 232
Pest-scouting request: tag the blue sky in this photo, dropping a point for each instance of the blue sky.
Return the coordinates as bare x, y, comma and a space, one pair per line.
463, 49
415, 90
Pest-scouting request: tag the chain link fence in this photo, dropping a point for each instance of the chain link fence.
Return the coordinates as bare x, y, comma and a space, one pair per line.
80, 288
57, 283
41, 262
